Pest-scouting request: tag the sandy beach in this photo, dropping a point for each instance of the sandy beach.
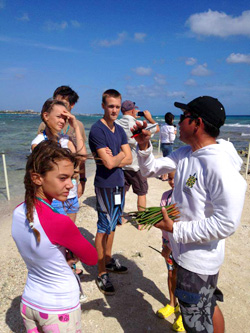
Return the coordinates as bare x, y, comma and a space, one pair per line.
144, 289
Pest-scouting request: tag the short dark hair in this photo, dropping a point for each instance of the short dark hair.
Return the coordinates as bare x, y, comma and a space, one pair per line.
110, 93
210, 129
169, 118
68, 93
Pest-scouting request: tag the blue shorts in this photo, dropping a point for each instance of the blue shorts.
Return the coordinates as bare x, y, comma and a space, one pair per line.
70, 206
109, 214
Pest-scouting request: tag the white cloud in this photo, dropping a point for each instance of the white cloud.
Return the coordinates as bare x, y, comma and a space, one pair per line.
214, 23
75, 23
140, 36
143, 71
154, 91
160, 79
24, 18
121, 37
238, 58
35, 44
201, 70
190, 61
11, 73
190, 82
51, 26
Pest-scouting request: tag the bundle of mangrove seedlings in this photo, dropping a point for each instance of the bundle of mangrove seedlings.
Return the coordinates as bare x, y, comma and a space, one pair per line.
152, 215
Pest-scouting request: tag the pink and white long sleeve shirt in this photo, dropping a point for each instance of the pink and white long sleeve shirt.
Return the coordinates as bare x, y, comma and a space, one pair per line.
51, 286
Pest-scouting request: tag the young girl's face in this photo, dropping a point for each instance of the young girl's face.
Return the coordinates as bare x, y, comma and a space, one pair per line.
171, 179
55, 120
57, 182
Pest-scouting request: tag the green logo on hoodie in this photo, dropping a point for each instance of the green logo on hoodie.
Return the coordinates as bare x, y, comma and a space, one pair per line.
191, 180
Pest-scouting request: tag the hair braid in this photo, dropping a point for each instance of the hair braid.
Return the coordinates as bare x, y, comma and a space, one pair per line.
42, 160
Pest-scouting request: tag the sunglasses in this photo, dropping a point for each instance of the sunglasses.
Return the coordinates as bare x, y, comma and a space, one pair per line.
183, 117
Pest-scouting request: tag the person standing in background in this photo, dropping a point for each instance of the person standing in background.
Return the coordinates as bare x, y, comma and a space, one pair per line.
70, 98
167, 137
132, 172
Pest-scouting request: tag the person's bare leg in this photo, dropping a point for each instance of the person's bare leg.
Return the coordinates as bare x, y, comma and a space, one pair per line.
100, 244
109, 244
218, 321
141, 202
171, 286
72, 216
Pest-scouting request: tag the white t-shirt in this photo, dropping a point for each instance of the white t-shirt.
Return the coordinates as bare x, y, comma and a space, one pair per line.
167, 134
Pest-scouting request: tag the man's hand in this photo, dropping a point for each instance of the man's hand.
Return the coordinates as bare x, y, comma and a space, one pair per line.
144, 137
165, 252
166, 223
148, 117
108, 151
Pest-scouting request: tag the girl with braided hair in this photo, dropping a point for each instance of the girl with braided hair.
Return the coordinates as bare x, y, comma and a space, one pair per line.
50, 300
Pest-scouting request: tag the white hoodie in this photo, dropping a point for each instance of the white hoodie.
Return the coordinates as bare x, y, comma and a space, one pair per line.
209, 192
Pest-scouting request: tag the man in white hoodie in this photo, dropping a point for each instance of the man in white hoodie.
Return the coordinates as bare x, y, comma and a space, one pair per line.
209, 193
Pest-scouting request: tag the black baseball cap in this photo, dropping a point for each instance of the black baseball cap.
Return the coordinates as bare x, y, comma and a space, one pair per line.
206, 107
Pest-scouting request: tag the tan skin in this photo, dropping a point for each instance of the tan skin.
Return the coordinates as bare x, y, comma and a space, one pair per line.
193, 134
56, 184
104, 242
81, 185
55, 120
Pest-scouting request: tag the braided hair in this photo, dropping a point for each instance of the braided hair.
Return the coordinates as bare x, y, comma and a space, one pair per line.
42, 160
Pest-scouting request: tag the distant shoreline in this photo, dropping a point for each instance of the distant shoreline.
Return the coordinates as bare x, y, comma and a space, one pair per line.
95, 114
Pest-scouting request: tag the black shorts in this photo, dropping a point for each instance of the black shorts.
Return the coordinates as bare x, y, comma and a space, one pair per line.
197, 295
138, 182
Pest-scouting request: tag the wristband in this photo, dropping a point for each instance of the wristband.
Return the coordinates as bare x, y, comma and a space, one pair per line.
83, 179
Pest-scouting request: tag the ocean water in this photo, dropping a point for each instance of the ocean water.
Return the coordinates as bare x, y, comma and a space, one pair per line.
17, 132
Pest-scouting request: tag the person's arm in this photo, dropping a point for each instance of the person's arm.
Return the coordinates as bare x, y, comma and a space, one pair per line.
61, 230
109, 161
152, 167
127, 160
41, 128
80, 144
172, 134
82, 168
149, 118
227, 193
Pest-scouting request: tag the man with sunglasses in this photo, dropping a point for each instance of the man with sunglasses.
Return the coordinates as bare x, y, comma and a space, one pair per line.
209, 193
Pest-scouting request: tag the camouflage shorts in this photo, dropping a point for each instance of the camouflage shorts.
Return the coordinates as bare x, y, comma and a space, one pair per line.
197, 295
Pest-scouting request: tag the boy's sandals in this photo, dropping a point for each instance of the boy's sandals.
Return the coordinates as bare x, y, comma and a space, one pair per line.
167, 311
178, 325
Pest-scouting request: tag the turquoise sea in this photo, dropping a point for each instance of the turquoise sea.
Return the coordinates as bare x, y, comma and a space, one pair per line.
17, 132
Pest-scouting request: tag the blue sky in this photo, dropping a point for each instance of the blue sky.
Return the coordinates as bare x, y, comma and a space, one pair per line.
153, 52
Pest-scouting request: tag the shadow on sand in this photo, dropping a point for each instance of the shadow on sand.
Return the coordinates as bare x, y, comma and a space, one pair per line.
129, 305
13, 317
